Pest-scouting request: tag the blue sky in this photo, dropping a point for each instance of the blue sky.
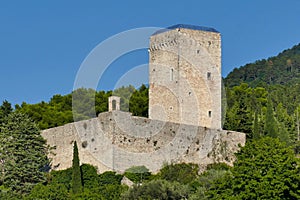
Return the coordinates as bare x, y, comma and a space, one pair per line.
43, 43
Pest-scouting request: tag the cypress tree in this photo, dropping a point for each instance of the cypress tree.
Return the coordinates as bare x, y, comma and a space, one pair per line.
271, 128
76, 173
256, 133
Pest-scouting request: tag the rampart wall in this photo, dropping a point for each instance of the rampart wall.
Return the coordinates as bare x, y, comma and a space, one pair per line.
117, 140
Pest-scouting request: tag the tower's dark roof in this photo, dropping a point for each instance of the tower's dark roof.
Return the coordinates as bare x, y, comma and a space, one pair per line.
187, 26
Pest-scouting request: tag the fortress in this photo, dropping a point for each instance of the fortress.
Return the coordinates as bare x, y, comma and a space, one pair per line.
185, 117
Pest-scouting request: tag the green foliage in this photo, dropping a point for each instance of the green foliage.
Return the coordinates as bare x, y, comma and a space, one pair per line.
125, 93
206, 180
138, 104
280, 76
76, 173
282, 69
271, 128
113, 192
22, 153
89, 176
83, 104
59, 185
110, 178
53, 191
63, 177
218, 166
10, 196
243, 102
47, 115
6, 108
256, 131
157, 189
257, 113
265, 169
182, 173
137, 174
87, 194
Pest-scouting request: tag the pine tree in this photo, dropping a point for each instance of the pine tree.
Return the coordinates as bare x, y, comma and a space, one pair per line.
76, 173
6, 108
22, 153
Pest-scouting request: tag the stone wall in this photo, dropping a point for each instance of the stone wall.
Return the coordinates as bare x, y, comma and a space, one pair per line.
117, 140
185, 77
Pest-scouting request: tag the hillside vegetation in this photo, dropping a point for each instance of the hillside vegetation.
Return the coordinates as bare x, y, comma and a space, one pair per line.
265, 95
283, 69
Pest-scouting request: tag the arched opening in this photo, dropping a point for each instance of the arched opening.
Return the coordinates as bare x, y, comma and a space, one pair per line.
114, 104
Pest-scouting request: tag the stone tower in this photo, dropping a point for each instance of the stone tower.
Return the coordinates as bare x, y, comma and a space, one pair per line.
185, 76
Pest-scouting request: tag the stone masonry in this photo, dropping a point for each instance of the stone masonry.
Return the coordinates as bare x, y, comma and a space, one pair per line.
117, 141
184, 123
185, 76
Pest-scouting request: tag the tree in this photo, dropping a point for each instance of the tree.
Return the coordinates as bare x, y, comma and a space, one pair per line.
285, 124
89, 176
239, 116
6, 108
297, 130
183, 173
138, 104
63, 177
110, 185
265, 169
51, 191
22, 153
157, 189
76, 173
11, 195
82, 104
256, 131
245, 119
110, 177
297, 114
271, 127
274, 70
137, 173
